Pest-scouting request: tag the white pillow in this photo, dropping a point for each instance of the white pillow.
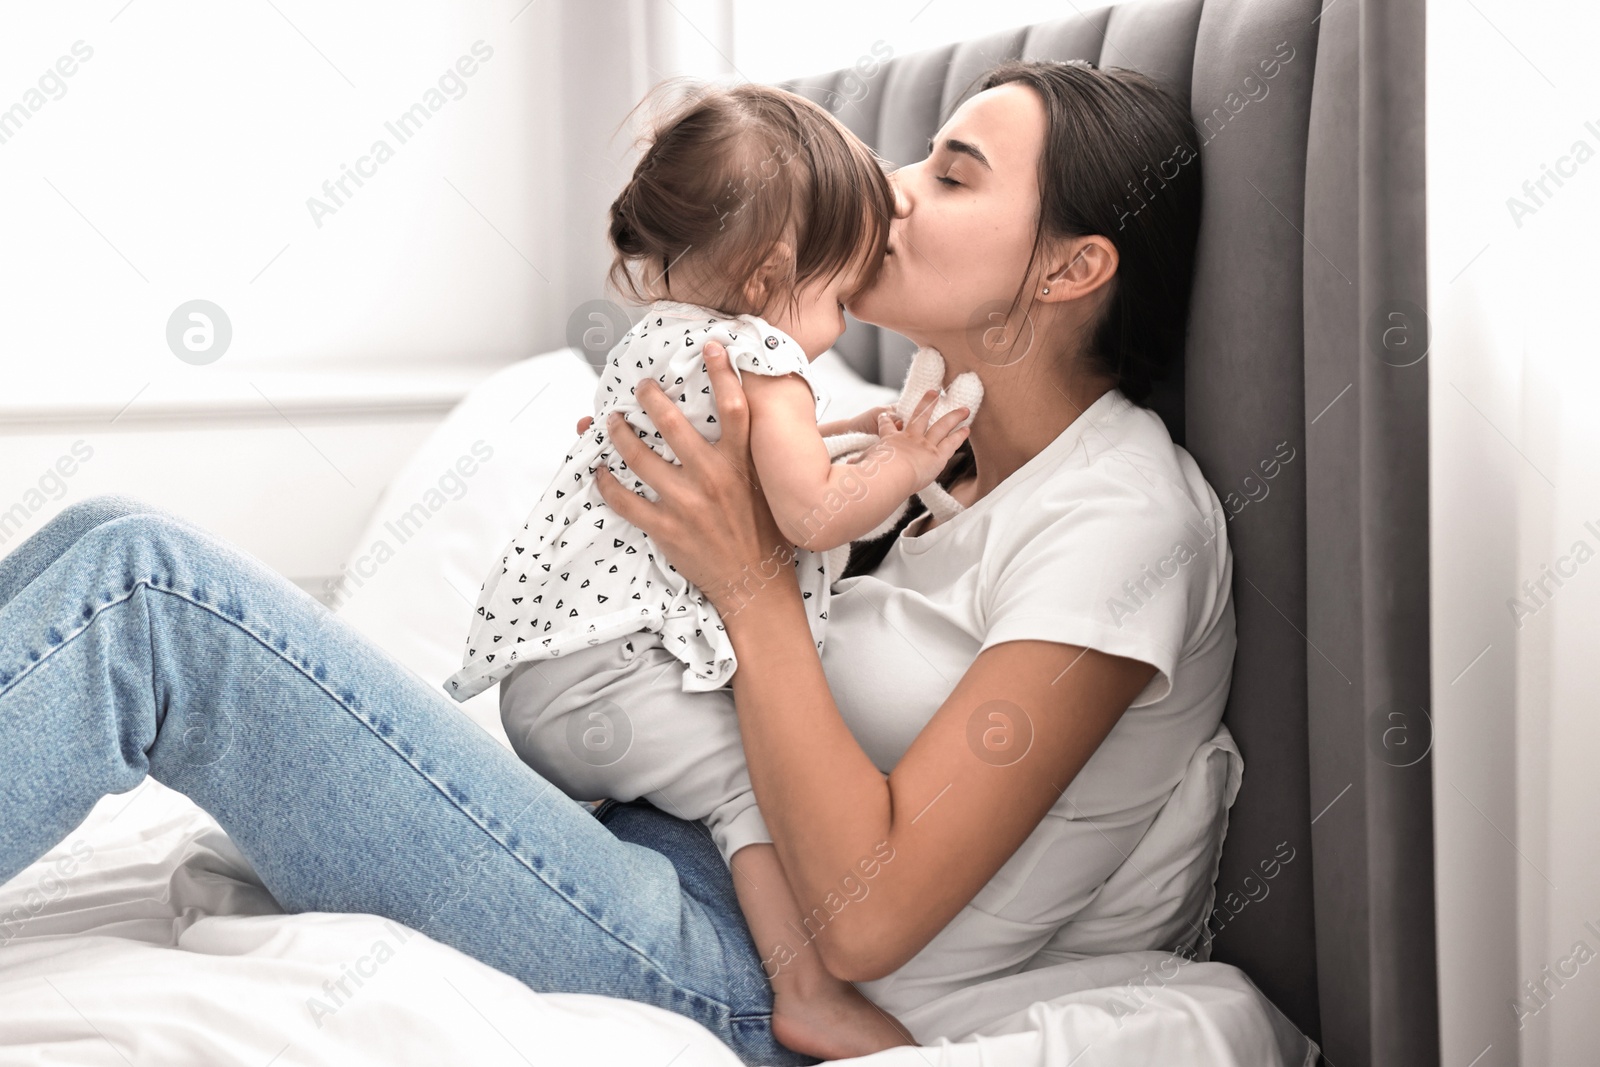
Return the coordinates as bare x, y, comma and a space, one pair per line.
413, 578
416, 570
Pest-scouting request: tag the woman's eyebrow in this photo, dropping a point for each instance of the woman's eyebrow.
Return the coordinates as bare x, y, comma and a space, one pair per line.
963, 147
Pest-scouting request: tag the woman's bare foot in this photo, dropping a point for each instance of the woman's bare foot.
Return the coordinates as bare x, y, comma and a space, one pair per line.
834, 1021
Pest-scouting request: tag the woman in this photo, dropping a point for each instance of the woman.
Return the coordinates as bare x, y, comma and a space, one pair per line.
935, 802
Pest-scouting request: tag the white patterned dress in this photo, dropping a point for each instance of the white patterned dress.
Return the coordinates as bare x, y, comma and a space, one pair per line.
577, 573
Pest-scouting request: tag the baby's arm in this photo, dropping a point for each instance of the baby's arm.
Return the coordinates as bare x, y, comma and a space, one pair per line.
866, 422
818, 504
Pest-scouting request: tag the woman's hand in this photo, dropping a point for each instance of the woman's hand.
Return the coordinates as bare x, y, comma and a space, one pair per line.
711, 519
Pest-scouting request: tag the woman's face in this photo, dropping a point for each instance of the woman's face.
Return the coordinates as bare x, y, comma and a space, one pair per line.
964, 225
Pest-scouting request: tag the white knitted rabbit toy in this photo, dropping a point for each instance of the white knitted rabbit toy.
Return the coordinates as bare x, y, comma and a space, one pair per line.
926, 372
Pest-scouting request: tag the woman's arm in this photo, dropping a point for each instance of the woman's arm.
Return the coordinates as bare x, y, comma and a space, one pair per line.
973, 785
819, 504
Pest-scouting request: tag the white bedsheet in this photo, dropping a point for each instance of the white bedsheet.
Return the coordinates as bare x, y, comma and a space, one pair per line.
162, 948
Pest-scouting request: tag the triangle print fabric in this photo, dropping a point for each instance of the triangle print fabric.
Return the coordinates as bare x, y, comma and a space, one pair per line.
577, 573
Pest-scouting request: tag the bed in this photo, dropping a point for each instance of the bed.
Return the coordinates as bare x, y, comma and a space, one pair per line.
145, 937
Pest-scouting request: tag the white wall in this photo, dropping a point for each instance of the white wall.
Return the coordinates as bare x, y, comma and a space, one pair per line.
775, 41
182, 156
180, 159
286, 467
153, 153
1512, 89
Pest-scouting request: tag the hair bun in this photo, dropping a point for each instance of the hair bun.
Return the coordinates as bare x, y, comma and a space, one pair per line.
623, 235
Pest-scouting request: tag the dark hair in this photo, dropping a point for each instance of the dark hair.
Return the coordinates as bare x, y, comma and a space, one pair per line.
1121, 159
731, 170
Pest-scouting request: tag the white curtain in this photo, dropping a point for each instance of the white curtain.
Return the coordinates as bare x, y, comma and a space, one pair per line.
1513, 135
614, 53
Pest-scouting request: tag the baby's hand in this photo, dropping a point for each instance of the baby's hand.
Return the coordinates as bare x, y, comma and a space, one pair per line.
584, 424
926, 448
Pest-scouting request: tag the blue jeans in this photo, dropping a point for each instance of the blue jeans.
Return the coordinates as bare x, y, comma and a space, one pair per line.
134, 643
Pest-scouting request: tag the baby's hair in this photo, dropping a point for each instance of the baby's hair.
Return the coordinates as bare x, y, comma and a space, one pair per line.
729, 171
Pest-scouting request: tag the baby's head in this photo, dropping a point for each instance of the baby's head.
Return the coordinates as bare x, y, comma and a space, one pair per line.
753, 200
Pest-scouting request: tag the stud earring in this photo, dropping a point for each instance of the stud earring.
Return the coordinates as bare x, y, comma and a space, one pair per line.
1047, 288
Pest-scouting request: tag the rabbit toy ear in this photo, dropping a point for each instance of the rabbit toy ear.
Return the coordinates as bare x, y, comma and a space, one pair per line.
927, 372
966, 391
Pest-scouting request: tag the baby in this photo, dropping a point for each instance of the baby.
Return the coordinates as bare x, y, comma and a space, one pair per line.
751, 217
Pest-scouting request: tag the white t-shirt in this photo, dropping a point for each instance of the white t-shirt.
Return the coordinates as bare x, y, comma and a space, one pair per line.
1110, 539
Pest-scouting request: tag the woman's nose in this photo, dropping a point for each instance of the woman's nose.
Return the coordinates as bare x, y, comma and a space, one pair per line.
902, 206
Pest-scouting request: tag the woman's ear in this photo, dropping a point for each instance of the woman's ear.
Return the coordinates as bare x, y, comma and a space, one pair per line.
1079, 267
759, 289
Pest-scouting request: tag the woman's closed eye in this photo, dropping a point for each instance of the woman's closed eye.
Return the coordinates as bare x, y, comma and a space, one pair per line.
955, 149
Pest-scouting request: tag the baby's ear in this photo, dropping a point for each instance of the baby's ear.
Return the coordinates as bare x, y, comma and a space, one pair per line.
779, 259
768, 277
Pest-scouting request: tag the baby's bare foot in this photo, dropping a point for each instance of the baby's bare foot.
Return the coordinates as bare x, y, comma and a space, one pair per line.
835, 1022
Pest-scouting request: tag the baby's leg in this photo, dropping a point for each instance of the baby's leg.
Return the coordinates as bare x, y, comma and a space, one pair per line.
543, 701
812, 1011
614, 721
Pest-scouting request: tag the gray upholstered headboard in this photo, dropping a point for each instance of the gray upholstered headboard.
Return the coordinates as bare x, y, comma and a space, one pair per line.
1241, 392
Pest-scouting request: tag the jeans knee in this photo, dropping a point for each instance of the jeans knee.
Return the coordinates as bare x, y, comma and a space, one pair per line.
143, 545
103, 508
